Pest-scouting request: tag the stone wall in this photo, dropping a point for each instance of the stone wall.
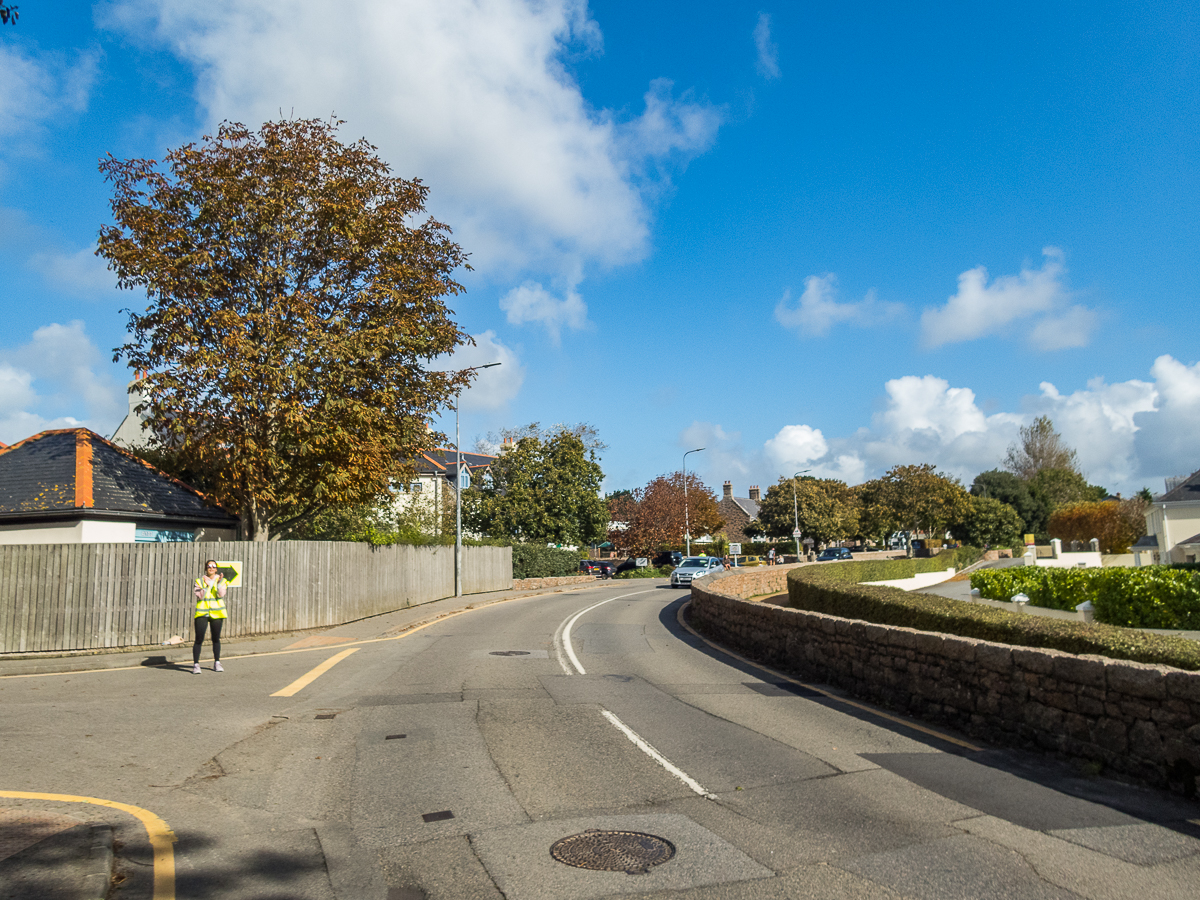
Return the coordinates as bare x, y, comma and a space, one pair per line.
1138, 720
532, 584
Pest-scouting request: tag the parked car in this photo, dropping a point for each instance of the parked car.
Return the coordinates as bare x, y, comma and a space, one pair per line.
667, 559
598, 567
833, 553
695, 567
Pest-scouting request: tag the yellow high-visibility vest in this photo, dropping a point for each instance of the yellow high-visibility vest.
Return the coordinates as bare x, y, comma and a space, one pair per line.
209, 604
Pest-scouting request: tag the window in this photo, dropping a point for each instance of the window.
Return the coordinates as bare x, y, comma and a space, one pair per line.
415, 487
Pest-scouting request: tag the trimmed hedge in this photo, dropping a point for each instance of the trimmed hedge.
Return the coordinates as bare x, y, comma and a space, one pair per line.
1147, 597
536, 561
818, 589
646, 572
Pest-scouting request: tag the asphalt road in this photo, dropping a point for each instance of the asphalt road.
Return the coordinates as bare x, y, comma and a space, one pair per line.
445, 763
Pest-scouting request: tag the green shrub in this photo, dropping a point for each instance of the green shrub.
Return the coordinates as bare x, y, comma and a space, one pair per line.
813, 588
537, 561
645, 572
1147, 597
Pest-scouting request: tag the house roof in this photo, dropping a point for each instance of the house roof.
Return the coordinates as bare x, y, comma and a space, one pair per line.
76, 472
745, 504
441, 461
1146, 542
1189, 489
1194, 539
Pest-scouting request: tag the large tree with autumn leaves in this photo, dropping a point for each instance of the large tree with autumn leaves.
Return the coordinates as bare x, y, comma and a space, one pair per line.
654, 517
297, 295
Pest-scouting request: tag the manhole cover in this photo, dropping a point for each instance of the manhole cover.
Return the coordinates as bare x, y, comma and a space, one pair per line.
510, 653
613, 851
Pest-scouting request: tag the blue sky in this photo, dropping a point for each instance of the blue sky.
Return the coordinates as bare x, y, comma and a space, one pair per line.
826, 236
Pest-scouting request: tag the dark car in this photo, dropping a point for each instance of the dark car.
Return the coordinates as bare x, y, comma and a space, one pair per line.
597, 567
668, 559
833, 553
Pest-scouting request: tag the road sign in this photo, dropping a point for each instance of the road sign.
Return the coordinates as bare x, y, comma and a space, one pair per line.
796, 533
464, 478
735, 549
232, 570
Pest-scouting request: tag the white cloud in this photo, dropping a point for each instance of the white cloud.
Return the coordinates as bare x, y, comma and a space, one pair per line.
768, 53
1071, 328
796, 445
532, 303
1128, 435
818, 309
81, 273
1037, 298
493, 387
1168, 440
53, 382
470, 95
40, 87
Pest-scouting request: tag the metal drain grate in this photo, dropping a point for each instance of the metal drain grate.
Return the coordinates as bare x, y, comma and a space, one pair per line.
632, 852
509, 653
326, 716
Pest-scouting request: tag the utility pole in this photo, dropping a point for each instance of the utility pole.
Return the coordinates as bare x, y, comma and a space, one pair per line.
458, 487
687, 528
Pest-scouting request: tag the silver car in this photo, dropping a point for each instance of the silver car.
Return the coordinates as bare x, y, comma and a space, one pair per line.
695, 567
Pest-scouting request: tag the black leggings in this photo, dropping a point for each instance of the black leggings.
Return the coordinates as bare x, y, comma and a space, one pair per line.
202, 623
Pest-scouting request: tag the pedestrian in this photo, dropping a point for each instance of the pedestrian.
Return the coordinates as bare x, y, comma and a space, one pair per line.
209, 591
771, 557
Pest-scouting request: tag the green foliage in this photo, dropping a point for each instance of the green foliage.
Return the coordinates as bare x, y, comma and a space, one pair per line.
536, 561
544, 488
1008, 488
988, 523
913, 499
1146, 597
294, 303
1041, 447
646, 572
815, 588
828, 509
1058, 487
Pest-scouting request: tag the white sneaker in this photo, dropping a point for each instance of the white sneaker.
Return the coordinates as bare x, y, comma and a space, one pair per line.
196, 669
217, 667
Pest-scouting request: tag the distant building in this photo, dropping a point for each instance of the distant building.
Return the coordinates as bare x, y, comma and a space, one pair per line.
1173, 523
72, 486
432, 490
738, 512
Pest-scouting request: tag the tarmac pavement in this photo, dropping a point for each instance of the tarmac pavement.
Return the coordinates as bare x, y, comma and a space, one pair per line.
50, 856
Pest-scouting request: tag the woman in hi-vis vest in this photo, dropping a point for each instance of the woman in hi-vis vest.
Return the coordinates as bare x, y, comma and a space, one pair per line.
210, 612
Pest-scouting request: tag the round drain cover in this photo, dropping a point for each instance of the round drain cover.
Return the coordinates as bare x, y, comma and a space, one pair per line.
510, 653
613, 851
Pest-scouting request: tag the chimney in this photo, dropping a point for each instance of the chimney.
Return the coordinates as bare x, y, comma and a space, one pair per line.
754, 493
728, 491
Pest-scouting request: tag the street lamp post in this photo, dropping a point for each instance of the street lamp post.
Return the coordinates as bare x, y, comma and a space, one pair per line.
687, 528
796, 512
458, 488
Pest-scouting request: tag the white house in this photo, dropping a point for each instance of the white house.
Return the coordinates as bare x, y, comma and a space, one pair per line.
1173, 523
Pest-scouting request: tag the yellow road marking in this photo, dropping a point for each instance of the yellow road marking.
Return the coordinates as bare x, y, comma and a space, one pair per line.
907, 723
160, 834
308, 678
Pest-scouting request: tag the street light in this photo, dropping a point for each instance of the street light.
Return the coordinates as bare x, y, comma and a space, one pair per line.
687, 529
796, 512
458, 488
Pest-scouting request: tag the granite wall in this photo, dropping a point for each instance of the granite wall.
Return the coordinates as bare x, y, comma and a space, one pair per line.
1138, 720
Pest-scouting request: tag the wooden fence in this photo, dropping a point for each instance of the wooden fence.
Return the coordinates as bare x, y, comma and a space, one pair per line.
92, 596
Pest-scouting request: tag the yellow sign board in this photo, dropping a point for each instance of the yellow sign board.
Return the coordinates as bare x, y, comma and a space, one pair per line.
1029, 540
232, 570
